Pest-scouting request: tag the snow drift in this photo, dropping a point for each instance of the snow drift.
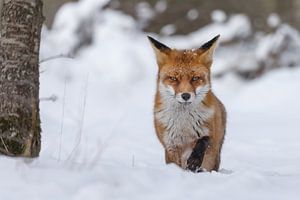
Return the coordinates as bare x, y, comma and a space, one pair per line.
98, 136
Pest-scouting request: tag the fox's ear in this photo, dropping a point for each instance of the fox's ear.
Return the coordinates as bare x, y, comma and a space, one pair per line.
161, 50
206, 51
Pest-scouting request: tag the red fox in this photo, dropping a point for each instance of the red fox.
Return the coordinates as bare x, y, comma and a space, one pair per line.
189, 119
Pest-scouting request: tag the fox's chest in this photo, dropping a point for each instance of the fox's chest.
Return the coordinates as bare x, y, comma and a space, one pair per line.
183, 125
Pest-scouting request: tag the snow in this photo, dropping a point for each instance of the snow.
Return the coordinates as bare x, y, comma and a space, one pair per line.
161, 6
218, 16
168, 29
273, 20
192, 14
144, 11
236, 27
284, 43
98, 139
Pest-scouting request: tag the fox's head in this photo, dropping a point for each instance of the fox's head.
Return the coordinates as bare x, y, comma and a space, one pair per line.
184, 75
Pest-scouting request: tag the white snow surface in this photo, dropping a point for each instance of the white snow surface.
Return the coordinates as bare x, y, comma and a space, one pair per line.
98, 139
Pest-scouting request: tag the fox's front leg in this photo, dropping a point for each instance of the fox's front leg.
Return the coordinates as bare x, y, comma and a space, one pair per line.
173, 155
195, 160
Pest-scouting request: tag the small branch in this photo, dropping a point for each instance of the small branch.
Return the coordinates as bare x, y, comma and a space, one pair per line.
81, 122
133, 161
52, 98
62, 122
6, 149
69, 56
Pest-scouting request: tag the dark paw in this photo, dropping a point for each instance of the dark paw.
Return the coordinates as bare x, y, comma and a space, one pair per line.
194, 164
195, 160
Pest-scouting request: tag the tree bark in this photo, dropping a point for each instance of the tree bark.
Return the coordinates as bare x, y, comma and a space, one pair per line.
21, 22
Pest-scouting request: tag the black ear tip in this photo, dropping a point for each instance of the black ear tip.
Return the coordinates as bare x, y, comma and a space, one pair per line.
216, 37
149, 37
208, 44
157, 44
152, 40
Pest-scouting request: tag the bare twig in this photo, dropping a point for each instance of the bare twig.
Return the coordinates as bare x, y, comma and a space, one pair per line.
133, 161
96, 156
52, 98
81, 122
69, 56
62, 121
6, 149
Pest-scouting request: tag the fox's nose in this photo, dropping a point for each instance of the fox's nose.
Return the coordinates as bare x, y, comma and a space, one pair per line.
186, 96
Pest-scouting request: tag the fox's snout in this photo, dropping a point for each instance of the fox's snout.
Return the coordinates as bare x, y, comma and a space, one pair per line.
185, 97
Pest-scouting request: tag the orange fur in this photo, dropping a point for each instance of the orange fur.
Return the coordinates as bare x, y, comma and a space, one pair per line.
186, 71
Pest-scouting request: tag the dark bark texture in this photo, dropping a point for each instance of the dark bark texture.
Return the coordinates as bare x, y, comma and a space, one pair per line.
21, 22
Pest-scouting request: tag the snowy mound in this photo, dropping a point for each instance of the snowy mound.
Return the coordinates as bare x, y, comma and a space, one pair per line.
98, 140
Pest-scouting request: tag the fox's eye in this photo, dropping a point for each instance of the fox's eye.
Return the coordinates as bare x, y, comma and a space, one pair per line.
196, 78
172, 78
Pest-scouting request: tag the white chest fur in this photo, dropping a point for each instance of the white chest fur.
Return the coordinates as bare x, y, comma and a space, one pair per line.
183, 123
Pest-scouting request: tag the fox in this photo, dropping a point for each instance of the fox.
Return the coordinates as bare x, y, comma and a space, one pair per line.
189, 120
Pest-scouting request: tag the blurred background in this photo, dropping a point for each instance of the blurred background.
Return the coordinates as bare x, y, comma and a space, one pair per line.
155, 14
97, 86
262, 25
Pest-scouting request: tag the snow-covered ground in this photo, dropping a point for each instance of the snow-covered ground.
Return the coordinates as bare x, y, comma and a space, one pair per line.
98, 140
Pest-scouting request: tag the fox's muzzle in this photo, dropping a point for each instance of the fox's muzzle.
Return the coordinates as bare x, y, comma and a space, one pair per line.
185, 97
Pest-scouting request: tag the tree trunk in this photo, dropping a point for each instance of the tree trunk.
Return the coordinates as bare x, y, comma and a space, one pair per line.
21, 22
